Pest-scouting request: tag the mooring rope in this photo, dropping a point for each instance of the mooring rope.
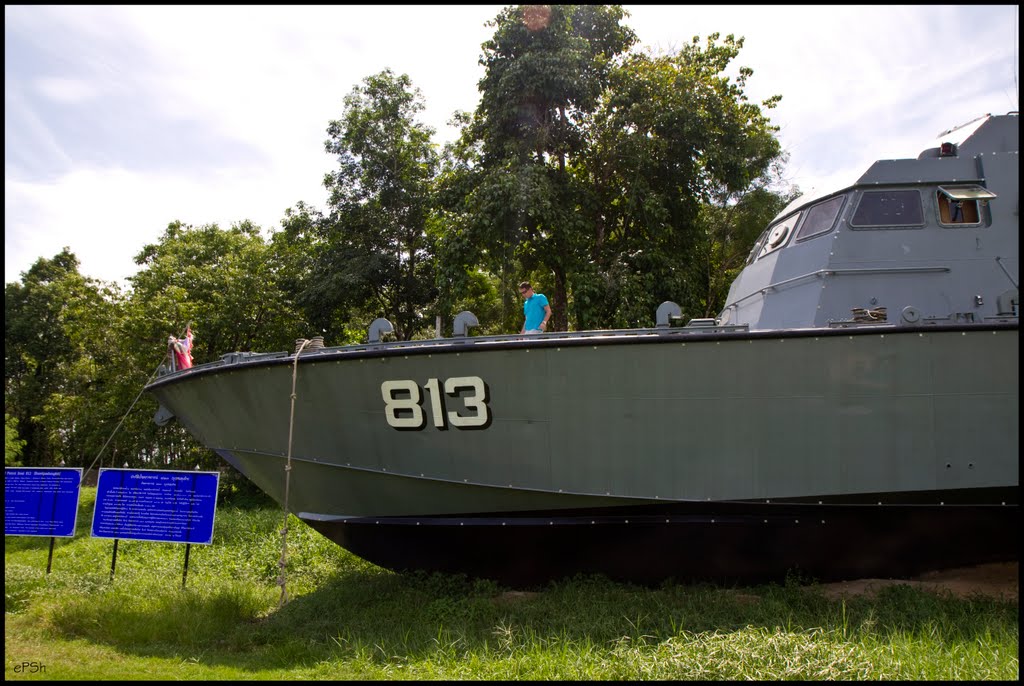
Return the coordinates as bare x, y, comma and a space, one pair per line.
862, 314
282, 577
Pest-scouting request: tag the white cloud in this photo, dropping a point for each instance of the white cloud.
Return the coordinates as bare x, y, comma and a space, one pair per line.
858, 83
25, 134
125, 210
66, 90
216, 114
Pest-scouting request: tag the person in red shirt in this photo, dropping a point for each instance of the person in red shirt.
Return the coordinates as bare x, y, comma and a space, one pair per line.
181, 349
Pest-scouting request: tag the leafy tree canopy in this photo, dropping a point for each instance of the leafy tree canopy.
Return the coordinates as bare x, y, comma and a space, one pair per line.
586, 166
372, 255
12, 444
224, 281
56, 340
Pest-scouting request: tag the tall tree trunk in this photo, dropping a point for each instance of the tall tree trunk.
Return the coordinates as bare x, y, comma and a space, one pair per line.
559, 302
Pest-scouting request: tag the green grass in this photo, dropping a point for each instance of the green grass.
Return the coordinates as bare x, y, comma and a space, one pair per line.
348, 619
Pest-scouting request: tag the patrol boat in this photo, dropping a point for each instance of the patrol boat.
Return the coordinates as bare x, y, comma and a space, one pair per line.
852, 412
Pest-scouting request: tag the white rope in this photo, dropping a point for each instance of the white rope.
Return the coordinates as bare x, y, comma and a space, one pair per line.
281, 578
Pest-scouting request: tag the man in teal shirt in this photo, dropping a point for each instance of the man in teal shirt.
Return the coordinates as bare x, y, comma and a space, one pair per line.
535, 309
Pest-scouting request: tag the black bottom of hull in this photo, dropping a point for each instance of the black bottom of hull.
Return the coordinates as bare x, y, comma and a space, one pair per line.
736, 543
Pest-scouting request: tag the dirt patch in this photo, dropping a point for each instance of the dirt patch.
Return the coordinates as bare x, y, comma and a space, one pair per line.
746, 598
515, 596
999, 580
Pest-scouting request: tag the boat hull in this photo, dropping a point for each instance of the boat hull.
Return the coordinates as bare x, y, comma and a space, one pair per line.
733, 543
491, 456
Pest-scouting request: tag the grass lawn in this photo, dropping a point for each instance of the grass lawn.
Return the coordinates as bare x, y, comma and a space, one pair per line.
347, 619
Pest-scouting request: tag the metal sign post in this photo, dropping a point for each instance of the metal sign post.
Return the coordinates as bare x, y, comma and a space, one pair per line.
113, 561
184, 572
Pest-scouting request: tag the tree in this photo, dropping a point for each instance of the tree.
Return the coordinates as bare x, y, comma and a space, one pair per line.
673, 135
546, 67
58, 343
12, 444
585, 167
372, 253
226, 282
725, 234
294, 248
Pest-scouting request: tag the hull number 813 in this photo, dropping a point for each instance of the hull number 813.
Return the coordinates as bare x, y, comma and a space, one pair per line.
404, 403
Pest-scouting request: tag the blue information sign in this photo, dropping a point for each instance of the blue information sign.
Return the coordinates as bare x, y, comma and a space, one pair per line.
155, 505
41, 501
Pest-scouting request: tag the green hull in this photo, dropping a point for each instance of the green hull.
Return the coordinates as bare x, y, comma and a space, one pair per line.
575, 421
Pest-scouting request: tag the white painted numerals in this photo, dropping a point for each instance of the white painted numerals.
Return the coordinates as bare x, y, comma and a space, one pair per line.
403, 412
403, 400
476, 401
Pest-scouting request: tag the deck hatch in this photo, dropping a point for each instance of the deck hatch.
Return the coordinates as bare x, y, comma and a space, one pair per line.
961, 204
969, 192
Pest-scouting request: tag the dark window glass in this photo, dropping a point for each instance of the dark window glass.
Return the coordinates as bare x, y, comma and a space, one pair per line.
889, 209
757, 246
820, 218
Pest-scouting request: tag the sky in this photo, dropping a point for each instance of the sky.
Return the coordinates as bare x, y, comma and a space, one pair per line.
119, 120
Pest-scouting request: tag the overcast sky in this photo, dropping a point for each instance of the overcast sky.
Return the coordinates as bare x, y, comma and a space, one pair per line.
120, 120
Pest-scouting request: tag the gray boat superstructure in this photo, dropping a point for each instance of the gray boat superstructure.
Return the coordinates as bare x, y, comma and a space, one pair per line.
930, 240
853, 410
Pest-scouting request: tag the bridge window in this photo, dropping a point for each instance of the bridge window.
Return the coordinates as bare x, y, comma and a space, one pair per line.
820, 219
962, 204
757, 246
888, 210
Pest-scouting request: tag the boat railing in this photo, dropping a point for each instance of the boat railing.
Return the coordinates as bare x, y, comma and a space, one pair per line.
823, 273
